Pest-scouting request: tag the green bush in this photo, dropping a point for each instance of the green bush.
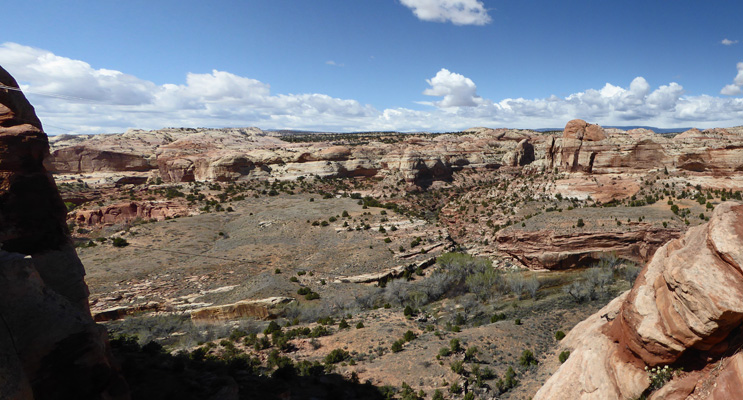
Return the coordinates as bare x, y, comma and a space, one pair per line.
397, 346
497, 317
527, 359
455, 345
271, 328
457, 367
120, 242
336, 356
563, 356
508, 382
559, 335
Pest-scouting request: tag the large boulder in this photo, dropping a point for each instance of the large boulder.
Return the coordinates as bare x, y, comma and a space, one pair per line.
685, 309
50, 348
582, 130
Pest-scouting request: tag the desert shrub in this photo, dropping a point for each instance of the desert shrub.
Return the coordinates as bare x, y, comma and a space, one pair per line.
359, 325
483, 283
319, 331
516, 282
580, 291
580, 223
469, 355
120, 242
455, 388
598, 276
336, 356
409, 336
559, 335
527, 359
497, 317
396, 291
532, 286
517, 321
563, 356
397, 346
444, 352
408, 311
455, 345
437, 395
271, 328
629, 272
508, 382
343, 324
457, 367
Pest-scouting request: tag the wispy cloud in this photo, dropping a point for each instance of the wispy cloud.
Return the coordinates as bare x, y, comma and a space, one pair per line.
458, 12
89, 100
333, 63
728, 42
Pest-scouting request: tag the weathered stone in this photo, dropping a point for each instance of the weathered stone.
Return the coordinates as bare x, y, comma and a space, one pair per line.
261, 309
50, 348
687, 300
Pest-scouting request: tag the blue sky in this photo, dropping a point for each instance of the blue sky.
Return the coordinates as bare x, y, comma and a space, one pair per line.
345, 65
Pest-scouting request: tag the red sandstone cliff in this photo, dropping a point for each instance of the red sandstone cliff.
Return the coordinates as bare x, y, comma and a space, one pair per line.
50, 348
685, 310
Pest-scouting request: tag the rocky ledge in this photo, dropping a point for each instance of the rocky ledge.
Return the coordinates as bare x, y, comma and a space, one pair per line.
683, 315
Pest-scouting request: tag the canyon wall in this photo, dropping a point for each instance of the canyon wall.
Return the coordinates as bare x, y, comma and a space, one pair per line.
50, 348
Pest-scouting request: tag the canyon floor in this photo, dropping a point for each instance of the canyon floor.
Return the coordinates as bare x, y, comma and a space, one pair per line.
274, 245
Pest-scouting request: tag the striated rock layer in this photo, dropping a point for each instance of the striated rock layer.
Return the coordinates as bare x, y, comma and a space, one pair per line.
685, 308
50, 348
552, 249
185, 155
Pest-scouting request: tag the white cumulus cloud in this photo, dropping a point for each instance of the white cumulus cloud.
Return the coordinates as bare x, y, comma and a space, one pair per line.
736, 87
457, 90
71, 96
728, 42
459, 12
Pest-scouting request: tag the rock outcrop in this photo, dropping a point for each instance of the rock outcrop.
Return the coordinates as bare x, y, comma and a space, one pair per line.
588, 148
50, 348
186, 155
269, 308
685, 310
121, 213
552, 249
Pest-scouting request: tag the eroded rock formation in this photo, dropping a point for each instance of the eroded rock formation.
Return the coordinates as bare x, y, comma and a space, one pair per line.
554, 249
50, 348
685, 310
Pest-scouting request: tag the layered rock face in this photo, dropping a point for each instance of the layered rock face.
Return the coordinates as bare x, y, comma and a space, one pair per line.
588, 148
685, 309
50, 348
551, 249
185, 155
130, 211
